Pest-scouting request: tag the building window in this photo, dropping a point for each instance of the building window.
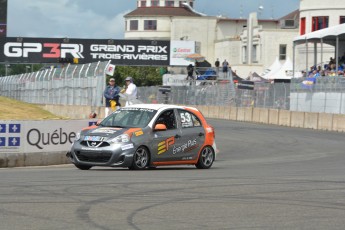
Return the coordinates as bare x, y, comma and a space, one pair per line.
254, 54
342, 19
244, 54
143, 3
319, 23
150, 25
133, 25
169, 3
282, 52
154, 3
302, 32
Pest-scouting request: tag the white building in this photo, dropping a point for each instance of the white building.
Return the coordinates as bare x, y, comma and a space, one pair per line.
248, 44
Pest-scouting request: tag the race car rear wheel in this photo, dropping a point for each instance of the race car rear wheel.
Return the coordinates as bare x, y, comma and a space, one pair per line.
206, 158
141, 158
83, 167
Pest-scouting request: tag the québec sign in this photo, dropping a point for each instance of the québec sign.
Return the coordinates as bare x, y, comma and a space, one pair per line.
38, 136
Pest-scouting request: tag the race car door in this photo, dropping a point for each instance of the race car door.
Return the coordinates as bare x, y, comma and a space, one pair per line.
164, 141
193, 135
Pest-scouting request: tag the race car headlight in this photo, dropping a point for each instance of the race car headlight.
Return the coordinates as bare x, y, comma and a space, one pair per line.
123, 138
77, 137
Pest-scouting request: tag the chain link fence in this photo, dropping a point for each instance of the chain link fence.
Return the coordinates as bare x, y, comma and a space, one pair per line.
71, 85
84, 85
221, 93
320, 95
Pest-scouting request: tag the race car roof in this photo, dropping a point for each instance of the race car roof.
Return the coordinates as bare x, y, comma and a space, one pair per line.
154, 106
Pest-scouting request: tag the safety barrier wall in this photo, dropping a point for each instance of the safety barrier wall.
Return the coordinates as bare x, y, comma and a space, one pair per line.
37, 143
50, 156
317, 121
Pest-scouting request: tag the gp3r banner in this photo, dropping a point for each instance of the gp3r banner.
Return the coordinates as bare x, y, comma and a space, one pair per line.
51, 50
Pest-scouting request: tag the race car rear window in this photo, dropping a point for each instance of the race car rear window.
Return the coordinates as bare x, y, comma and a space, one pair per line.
188, 120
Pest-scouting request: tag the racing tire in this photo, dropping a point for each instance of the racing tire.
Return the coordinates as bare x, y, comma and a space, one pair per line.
83, 167
206, 158
141, 159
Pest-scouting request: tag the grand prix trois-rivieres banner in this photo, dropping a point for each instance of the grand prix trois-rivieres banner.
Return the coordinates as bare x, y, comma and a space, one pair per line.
51, 50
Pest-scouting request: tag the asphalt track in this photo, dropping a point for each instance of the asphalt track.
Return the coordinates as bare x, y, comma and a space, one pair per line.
265, 177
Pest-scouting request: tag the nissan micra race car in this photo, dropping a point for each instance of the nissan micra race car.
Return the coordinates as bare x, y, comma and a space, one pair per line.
144, 136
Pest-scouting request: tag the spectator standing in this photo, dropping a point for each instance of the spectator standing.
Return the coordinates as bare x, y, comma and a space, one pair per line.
217, 63
130, 91
111, 94
190, 70
225, 65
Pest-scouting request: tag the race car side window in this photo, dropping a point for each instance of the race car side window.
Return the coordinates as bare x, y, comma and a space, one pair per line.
188, 119
168, 119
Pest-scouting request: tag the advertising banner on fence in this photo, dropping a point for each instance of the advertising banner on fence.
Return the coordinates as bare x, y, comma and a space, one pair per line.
54, 50
178, 52
39, 136
246, 85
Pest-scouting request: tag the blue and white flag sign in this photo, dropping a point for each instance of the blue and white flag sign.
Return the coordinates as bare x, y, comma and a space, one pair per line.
2, 128
2, 141
14, 128
14, 141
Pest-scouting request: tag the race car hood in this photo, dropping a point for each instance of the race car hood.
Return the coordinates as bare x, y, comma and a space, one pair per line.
109, 132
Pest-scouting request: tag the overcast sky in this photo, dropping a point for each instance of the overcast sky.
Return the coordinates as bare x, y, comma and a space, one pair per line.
103, 19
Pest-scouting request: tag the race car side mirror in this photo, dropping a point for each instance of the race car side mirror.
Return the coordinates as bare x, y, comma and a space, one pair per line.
160, 127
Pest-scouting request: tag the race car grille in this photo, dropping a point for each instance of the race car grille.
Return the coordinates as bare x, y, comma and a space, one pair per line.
95, 144
99, 157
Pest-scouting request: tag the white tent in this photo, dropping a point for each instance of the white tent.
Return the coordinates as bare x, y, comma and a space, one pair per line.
284, 72
275, 67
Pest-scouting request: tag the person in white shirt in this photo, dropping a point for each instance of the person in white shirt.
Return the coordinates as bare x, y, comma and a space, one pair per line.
131, 91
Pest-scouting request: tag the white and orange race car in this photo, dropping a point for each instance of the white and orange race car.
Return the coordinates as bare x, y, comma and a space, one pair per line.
144, 136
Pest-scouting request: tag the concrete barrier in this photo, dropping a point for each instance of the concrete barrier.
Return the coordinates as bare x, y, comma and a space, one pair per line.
297, 119
260, 115
325, 121
338, 123
248, 114
256, 115
213, 111
311, 120
241, 112
233, 113
224, 112
284, 118
320, 121
273, 115
204, 110
32, 159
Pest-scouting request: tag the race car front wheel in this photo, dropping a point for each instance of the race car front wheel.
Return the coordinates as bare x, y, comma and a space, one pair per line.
206, 158
141, 158
83, 167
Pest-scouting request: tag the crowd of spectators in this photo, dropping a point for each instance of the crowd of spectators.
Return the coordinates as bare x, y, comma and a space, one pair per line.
330, 69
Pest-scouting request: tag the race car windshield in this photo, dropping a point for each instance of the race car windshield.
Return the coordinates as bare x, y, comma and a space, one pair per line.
129, 118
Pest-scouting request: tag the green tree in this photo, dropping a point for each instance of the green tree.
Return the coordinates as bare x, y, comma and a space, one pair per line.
14, 69
142, 76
